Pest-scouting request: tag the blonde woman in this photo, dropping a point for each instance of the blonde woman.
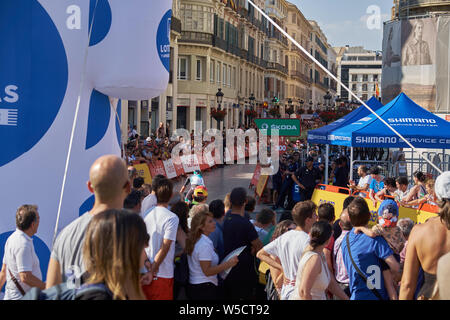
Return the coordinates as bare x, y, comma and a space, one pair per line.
203, 260
313, 275
113, 254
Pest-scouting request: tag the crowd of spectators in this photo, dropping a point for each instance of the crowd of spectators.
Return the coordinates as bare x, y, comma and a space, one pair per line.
154, 253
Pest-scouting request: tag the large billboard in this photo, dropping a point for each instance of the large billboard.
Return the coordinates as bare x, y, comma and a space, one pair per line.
409, 60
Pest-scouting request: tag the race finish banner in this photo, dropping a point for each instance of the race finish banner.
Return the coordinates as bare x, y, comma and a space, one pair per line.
286, 127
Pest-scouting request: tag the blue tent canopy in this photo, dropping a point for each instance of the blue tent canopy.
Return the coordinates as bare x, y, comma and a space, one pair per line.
320, 135
420, 127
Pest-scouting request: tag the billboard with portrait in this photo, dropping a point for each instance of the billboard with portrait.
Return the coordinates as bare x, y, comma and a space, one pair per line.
409, 61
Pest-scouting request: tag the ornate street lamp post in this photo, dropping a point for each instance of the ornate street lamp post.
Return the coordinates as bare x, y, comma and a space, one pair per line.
337, 102
327, 99
290, 109
252, 103
219, 99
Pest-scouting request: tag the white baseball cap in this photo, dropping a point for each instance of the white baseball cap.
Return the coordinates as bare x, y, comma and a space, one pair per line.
442, 186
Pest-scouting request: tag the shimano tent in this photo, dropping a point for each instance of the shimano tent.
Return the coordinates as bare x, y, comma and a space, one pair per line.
320, 135
420, 127
417, 125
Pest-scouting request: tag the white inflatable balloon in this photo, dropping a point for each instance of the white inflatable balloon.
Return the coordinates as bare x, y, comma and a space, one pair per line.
42, 63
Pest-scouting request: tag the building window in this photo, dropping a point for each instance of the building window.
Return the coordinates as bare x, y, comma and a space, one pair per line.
229, 76
365, 77
211, 71
224, 75
354, 77
354, 87
364, 87
183, 68
375, 77
199, 70
218, 72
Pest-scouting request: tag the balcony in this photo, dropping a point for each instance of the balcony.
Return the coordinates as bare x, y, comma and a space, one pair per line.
276, 66
278, 37
175, 25
300, 75
220, 43
322, 85
243, 54
196, 37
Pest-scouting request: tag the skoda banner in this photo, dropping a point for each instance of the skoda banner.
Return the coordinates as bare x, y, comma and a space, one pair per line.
286, 127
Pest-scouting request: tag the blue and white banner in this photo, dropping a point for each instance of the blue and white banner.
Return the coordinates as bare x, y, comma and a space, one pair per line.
48, 62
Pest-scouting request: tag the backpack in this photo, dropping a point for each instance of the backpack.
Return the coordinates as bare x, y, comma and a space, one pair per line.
62, 292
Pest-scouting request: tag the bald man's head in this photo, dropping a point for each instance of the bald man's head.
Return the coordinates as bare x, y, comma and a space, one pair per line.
108, 177
345, 222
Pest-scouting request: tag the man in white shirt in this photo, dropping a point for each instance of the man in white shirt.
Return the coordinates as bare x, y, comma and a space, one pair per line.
364, 181
289, 247
162, 226
149, 202
21, 268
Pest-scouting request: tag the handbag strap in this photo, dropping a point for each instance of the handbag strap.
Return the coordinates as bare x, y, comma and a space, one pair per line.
16, 282
374, 291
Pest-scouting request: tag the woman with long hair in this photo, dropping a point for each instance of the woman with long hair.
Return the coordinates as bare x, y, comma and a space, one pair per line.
203, 260
313, 276
418, 191
114, 254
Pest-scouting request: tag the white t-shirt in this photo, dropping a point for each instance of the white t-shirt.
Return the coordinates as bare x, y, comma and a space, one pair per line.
288, 248
19, 257
366, 180
148, 204
203, 251
162, 224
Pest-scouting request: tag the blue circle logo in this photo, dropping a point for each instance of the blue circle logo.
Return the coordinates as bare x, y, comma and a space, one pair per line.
33, 77
163, 39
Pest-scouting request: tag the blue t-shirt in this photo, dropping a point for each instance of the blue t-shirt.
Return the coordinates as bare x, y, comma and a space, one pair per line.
217, 238
366, 253
376, 186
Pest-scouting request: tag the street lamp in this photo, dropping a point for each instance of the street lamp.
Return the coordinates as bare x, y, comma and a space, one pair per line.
252, 103
290, 110
327, 99
338, 101
219, 99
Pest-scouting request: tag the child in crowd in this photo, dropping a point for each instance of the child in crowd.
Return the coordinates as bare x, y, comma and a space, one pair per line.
387, 228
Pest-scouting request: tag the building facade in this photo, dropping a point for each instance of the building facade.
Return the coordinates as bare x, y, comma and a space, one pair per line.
360, 70
228, 45
299, 65
413, 8
320, 79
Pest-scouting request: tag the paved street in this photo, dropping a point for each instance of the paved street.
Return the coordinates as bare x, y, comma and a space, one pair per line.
221, 181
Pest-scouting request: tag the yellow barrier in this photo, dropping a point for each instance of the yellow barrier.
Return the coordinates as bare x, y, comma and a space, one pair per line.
330, 194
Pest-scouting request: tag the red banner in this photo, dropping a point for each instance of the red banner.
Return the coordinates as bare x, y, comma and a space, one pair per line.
256, 176
178, 168
157, 168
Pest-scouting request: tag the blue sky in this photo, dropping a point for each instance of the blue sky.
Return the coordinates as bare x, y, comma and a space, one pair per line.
346, 21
